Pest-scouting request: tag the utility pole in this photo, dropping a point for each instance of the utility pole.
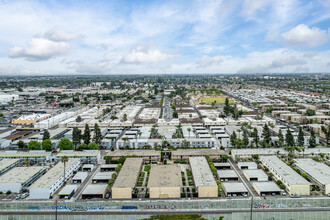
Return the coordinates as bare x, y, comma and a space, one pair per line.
251, 207
55, 209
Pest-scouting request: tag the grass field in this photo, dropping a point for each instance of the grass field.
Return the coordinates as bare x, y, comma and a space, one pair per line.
219, 100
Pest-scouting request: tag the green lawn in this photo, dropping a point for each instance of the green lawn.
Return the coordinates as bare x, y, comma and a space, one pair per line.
219, 100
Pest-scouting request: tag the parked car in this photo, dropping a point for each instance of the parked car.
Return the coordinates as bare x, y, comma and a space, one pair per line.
294, 196
107, 196
18, 197
283, 193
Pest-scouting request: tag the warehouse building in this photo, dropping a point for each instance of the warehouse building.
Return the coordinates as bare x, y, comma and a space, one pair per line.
238, 154
215, 154
33, 155
49, 183
79, 177
102, 177
8, 164
20, 177
165, 181
227, 175
94, 191
86, 156
203, 177
127, 178
247, 165
315, 171
234, 189
294, 183
148, 156
266, 188
255, 175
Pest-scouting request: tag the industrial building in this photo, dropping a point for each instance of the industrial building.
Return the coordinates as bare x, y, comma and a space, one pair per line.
203, 177
227, 175
165, 181
7, 164
315, 171
49, 183
255, 175
237, 154
94, 191
127, 178
86, 156
294, 183
19, 177
234, 189
266, 188
247, 165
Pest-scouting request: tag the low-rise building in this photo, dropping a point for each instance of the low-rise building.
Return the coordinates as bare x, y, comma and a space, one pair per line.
294, 183
49, 183
266, 188
127, 178
255, 175
203, 177
165, 181
8, 164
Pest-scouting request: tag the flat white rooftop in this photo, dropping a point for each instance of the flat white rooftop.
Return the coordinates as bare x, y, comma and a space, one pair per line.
223, 174
317, 170
20, 174
95, 189
129, 173
53, 174
234, 187
67, 190
6, 163
266, 186
256, 173
201, 172
283, 170
165, 176
259, 151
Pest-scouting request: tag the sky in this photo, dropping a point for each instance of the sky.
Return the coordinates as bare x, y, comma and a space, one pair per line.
153, 37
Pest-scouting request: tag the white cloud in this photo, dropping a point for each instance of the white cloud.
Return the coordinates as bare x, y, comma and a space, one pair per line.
39, 49
208, 61
304, 36
252, 6
287, 61
60, 35
145, 55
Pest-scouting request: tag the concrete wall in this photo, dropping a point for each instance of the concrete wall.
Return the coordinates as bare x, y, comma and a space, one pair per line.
164, 192
121, 193
13, 187
327, 189
207, 191
299, 189
39, 193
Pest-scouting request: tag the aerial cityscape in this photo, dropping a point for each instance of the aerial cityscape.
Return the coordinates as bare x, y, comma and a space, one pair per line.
165, 110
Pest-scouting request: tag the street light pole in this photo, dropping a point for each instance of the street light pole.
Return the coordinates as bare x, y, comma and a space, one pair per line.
251, 207
55, 209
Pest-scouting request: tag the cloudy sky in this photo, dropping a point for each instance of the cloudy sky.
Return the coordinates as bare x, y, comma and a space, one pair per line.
119, 37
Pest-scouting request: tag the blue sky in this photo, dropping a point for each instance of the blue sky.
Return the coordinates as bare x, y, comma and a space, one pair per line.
128, 37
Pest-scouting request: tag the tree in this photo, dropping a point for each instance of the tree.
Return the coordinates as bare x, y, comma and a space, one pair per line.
47, 145
326, 131
245, 138
87, 135
27, 162
226, 108
233, 138
175, 114
82, 147
76, 136
289, 138
266, 134
78, 119
125, 117
97, 134
189, 130
280, 137
65, 144
93, 146
64, 160
301, 139
21, 144
310, 112
107, 159
255, 136
312, 139
46, 135
34, 145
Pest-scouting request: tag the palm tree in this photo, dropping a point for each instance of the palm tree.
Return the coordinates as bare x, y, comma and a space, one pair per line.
64, 160
27, 162
125, 139
189, 130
